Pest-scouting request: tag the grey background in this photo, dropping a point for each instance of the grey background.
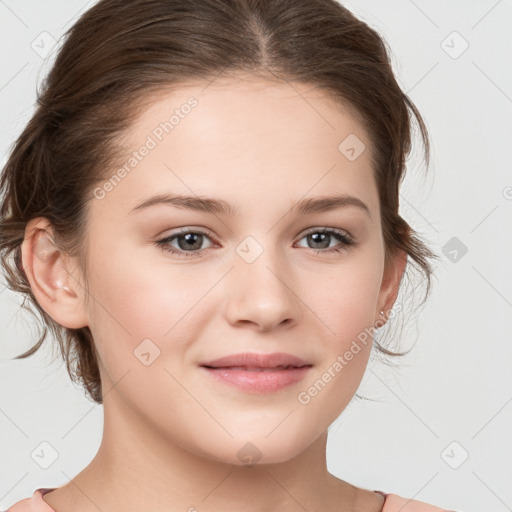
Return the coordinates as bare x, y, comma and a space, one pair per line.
452, 397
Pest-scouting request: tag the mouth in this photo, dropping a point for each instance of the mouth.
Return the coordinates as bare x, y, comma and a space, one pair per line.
255, 368
258, 373
252, 360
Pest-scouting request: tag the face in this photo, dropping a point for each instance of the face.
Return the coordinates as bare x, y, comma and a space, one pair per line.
176, 284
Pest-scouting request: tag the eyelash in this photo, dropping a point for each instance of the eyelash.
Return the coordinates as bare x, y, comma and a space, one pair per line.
345, 241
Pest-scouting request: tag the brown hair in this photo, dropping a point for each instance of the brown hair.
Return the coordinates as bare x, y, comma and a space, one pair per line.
120, 52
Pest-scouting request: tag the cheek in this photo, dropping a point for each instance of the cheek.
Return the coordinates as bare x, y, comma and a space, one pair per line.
135, 302
347, 307
345, 298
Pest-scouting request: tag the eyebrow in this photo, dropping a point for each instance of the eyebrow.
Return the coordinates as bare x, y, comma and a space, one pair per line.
219, 206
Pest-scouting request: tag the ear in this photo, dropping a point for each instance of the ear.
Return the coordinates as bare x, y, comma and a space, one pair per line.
394, 269
57, 291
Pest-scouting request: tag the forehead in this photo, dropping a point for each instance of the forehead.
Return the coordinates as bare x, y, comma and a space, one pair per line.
261, 107
244, 137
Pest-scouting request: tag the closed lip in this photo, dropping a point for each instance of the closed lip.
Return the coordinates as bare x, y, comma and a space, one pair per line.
254, 360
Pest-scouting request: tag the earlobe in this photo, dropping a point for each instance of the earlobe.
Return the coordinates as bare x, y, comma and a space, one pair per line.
46, 267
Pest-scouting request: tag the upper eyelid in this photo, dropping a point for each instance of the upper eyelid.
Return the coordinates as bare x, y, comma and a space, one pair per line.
203, 231
327, 229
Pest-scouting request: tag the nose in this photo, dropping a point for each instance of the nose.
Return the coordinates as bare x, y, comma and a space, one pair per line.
261, 294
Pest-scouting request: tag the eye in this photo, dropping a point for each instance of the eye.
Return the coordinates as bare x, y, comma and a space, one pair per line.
321, 238
189, 242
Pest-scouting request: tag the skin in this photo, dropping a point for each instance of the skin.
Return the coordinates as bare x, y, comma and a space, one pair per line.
171, 433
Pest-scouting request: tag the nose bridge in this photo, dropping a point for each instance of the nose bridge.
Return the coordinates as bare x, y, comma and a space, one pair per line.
261, 291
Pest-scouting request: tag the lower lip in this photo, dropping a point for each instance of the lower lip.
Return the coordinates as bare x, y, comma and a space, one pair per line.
258, 381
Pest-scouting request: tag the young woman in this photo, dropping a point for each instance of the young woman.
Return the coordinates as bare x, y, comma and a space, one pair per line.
204, 209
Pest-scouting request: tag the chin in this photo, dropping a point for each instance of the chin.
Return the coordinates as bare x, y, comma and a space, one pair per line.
256, 451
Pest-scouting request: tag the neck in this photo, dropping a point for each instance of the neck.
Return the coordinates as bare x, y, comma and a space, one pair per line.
137, 468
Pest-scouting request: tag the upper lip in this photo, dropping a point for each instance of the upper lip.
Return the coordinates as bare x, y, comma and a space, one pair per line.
253, 360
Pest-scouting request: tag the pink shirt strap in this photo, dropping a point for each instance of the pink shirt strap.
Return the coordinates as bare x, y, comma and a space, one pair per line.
33, 504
